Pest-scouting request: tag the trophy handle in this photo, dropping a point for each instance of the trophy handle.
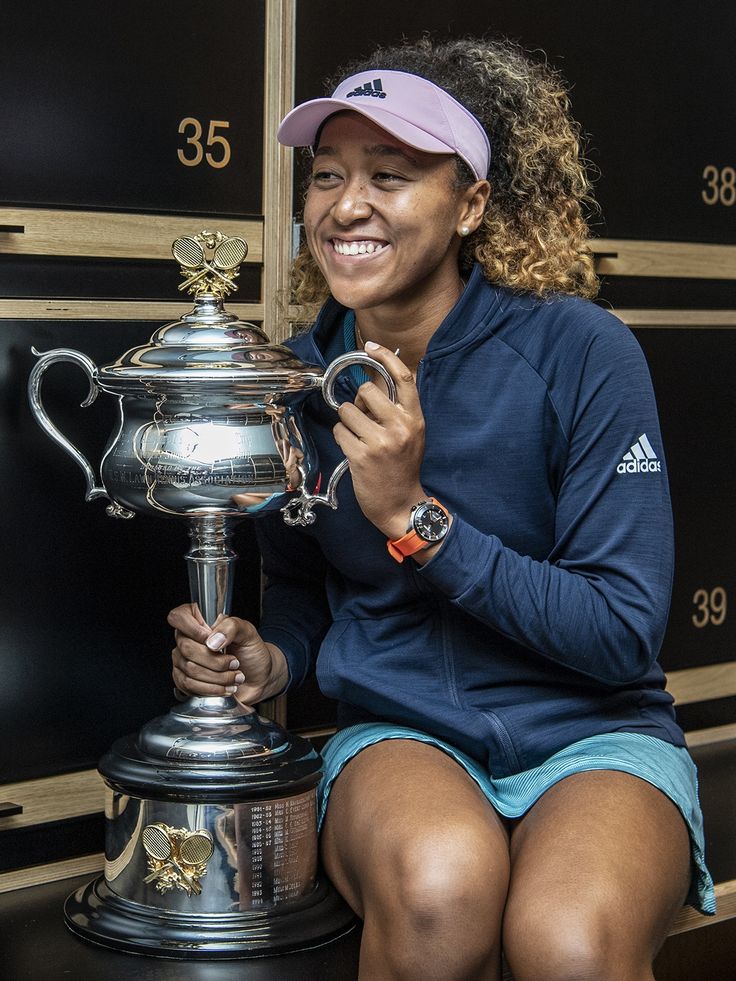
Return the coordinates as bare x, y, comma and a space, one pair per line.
344, 361
300, 510
41, 416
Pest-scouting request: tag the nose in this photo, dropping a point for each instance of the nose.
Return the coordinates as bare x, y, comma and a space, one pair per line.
352, 204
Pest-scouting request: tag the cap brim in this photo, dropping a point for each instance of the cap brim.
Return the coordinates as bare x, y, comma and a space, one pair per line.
301, 125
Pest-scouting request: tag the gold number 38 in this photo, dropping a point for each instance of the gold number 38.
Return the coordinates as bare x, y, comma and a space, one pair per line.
721, 185
214, 139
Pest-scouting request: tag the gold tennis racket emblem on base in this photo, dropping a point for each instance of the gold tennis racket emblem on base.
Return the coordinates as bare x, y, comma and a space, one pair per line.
177, 858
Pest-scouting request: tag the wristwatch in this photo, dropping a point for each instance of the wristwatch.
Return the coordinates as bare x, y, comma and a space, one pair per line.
428, 524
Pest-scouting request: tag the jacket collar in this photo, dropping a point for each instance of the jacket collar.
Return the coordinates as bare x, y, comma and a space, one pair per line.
479, 304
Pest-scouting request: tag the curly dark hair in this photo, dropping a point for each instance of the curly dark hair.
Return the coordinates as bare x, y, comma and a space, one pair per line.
534, 235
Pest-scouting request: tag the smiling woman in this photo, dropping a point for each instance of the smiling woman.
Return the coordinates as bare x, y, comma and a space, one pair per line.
488, 604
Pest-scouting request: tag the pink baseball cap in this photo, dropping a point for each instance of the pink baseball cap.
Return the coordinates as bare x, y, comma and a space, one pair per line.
411, 108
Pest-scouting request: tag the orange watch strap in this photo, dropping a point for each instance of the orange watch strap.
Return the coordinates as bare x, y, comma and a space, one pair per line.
408, 544
411, 542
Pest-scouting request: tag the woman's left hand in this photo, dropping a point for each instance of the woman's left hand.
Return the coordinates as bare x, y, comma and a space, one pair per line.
384, 444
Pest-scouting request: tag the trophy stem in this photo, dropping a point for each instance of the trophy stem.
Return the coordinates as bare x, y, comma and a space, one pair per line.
210, 561
210, 728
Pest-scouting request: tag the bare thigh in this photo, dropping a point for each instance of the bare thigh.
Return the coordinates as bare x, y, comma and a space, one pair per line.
599, 868
419, 853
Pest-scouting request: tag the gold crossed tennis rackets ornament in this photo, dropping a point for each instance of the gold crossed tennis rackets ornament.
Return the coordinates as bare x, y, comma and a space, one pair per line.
177, 858
210, 262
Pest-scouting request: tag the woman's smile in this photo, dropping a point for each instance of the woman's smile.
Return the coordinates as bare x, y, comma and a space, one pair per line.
355, 247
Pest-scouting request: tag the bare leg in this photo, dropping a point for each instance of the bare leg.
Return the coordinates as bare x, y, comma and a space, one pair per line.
419, 853
599, 868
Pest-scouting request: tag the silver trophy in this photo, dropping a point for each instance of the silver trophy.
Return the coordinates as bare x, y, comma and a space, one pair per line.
210, 840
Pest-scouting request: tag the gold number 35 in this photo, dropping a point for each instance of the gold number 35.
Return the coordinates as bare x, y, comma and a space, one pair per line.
721, 185
214, 139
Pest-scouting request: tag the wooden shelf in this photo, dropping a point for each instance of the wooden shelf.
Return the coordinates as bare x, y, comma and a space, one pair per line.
112, 310
112, 234
686, 260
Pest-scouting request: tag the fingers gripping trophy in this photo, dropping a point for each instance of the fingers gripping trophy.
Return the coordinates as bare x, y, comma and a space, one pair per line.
210, 841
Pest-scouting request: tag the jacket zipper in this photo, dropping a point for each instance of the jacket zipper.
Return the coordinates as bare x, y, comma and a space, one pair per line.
507, 746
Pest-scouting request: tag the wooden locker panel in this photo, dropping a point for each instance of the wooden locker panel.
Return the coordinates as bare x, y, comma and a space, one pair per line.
693, 371
133, 105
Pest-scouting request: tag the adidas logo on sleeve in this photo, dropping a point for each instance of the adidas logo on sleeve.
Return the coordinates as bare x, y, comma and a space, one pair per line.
641, 458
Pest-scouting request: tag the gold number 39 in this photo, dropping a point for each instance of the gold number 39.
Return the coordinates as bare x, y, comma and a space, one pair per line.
721, 185
711, 607
214, 139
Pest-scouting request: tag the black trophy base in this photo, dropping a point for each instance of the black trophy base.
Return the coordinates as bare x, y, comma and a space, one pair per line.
98, 915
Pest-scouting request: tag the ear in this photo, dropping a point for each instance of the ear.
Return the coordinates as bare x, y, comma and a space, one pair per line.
473, 203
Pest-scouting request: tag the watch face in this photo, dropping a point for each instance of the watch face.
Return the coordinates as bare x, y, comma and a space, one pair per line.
430, 522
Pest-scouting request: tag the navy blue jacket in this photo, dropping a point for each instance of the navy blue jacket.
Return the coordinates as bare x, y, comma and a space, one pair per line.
539, 620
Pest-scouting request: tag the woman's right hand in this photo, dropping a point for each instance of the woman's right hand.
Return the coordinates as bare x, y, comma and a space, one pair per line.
229, 658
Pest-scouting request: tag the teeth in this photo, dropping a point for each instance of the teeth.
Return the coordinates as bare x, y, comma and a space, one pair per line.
355, 248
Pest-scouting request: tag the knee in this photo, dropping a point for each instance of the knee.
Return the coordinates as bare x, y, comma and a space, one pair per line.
433, 888
444, 883
437, 911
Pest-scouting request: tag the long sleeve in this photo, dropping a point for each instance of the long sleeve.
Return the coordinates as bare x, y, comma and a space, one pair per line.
598, 601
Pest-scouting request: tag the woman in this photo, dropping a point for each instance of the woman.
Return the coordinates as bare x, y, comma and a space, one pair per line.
488, 603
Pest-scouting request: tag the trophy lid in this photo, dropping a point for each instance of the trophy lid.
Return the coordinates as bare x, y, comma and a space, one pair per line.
209, 348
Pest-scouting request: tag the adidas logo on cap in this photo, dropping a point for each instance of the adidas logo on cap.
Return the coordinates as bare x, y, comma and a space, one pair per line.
374, 89
641, 458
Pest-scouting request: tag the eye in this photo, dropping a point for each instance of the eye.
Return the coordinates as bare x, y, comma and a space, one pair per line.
324, 178
385, 177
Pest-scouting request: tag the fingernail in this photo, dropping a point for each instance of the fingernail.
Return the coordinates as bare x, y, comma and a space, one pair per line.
234, 664
231, 689
240, 677
216, 641
371, 346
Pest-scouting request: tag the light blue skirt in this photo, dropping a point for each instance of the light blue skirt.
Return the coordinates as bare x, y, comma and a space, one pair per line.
667, 767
